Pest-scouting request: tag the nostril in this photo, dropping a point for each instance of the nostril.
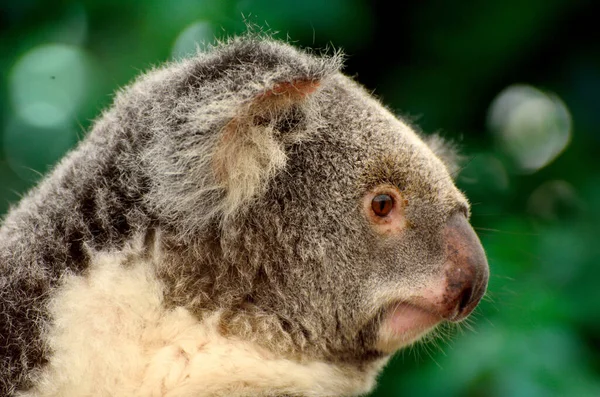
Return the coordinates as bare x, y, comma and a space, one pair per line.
465, 299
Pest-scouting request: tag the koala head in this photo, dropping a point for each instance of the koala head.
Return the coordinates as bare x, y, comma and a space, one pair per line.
299, 207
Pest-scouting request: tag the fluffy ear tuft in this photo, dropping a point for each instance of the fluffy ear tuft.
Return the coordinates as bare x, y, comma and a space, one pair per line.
447, 151
251, 147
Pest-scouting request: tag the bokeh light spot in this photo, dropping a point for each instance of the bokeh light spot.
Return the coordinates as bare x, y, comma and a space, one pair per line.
191, 38
49, 84
554, 200
531, 126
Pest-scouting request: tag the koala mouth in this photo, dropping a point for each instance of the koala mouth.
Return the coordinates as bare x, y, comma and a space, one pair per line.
403, 324
406, 318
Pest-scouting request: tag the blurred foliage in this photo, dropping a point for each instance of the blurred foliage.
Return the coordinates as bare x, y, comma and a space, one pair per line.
516, 83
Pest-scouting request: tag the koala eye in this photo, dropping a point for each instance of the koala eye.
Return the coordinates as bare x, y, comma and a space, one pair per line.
384, 208
382, 204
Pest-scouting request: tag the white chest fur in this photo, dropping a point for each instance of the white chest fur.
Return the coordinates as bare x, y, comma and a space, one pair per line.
112, 336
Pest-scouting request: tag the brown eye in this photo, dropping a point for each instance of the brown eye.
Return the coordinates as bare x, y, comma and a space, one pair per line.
382, 204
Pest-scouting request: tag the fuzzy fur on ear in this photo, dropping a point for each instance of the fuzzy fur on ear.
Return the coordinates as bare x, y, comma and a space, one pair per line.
251, 149
234, 111
447, 151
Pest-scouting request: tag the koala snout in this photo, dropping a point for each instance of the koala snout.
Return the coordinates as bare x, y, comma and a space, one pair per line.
466, 270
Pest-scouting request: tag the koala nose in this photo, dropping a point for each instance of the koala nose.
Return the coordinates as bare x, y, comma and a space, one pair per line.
466, 269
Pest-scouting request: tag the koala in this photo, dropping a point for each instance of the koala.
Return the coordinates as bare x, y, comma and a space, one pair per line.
246, 222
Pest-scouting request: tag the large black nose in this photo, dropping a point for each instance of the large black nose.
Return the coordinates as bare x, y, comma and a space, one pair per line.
466, 269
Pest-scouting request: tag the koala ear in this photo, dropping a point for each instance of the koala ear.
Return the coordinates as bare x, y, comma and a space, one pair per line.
289, 91
250, 149
446, 151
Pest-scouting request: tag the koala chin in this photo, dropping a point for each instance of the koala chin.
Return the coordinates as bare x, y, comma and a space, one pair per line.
245, 222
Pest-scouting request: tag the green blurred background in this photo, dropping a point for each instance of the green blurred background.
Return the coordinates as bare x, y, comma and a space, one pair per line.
515, 83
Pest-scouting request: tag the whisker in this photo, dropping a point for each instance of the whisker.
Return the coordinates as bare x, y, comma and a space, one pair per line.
487, 229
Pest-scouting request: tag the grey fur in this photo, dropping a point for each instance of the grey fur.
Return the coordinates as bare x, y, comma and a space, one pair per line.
276, 240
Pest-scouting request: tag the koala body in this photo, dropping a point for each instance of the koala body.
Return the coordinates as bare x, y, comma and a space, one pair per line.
247, 222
